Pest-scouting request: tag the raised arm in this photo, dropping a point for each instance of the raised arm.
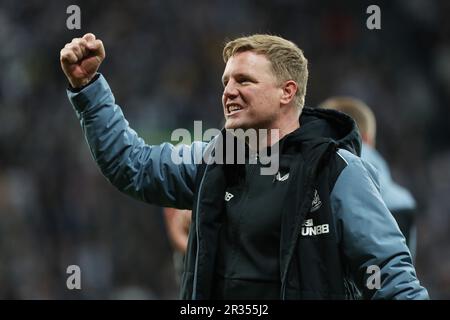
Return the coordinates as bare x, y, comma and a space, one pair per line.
140, 170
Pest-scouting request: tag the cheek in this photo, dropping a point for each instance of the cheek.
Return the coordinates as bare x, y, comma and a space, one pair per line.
264, 100
252, 96
268, 99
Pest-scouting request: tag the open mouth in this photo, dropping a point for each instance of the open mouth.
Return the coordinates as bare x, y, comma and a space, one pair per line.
232, 109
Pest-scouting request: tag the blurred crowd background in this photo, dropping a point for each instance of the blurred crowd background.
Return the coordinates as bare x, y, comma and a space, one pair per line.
164, 66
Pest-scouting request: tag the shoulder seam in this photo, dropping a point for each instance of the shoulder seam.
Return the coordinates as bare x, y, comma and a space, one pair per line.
346, 162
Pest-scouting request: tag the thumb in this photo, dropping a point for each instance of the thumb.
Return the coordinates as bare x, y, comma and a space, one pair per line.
89, 37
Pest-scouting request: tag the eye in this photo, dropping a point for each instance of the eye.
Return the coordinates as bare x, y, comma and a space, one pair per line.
244, 80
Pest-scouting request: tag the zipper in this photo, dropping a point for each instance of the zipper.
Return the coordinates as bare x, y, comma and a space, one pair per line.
296, 236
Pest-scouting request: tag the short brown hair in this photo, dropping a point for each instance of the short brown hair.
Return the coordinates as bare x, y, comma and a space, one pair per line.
356, 109
288, 61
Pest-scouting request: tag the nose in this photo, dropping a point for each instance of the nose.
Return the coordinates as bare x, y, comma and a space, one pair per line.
230, 91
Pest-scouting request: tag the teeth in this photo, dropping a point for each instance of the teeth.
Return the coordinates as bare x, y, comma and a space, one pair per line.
234, 108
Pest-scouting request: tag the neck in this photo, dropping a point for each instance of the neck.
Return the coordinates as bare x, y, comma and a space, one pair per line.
276, 133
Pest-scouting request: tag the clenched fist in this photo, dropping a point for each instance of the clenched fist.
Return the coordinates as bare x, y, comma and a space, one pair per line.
81, 58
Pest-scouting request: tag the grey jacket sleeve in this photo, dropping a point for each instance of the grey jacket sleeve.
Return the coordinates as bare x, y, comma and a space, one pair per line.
370, 237
145, 172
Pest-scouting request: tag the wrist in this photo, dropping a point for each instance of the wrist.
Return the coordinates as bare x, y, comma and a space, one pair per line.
80, 85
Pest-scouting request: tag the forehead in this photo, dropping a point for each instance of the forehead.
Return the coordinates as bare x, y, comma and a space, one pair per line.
248, 62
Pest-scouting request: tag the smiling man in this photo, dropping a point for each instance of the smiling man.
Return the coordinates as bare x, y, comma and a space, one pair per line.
251, 91
313, 230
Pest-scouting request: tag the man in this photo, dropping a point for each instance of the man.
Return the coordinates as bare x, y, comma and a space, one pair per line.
314, 230
398, 200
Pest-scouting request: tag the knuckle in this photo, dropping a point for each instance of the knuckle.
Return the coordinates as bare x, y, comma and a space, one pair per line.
80, 41
75, 48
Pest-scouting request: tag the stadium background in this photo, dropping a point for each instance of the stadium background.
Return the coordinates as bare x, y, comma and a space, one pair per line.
164, 66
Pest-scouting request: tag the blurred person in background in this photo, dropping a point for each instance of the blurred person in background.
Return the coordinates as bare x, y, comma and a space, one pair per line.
398, 200
177, 225
312, 231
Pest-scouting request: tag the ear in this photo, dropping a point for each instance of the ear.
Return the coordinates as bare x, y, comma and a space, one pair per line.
367, 140
289, 90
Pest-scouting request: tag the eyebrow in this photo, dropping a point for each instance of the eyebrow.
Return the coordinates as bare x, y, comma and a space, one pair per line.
239, 75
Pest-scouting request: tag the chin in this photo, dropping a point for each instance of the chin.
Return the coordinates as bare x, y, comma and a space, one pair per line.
230, 124
234, 125
239, 123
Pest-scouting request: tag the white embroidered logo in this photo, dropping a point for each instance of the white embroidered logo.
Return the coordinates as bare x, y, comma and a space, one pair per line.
282, 178
308, 228
316, 203
228, 196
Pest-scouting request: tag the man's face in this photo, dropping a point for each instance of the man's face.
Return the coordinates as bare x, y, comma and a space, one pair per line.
251, 95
